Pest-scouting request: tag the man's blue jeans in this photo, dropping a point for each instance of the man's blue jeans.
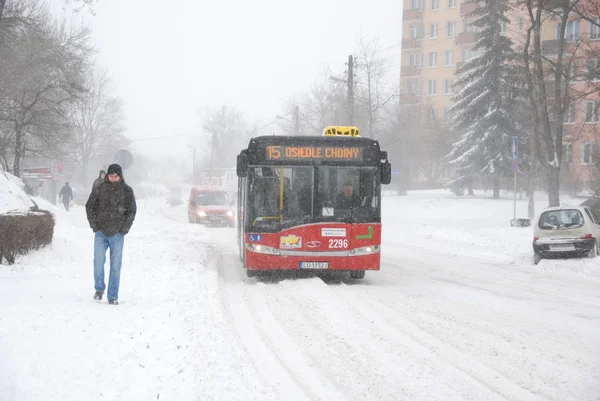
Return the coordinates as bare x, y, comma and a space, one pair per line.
101, 244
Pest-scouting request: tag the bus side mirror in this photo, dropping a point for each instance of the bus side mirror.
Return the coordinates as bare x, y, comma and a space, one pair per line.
386, 173
242, 165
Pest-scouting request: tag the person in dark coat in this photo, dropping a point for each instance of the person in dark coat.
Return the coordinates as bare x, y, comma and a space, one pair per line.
66, 193
98, 180
110, 209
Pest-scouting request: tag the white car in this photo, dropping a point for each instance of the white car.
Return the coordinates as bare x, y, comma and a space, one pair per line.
565, 230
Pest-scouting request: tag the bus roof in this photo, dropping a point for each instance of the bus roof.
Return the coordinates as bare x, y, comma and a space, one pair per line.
314, 150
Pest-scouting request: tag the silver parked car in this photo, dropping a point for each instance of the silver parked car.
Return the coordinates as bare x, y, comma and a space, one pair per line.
565, 231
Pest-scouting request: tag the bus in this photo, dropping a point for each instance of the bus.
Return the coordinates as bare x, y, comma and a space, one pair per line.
311, 202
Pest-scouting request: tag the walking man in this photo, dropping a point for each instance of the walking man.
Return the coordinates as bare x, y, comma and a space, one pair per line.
110, 211
66, 193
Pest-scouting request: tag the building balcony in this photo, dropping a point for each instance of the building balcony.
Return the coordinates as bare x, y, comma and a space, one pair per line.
409, 98
412, 14
467, 7
465, 38
409, 71
412, 43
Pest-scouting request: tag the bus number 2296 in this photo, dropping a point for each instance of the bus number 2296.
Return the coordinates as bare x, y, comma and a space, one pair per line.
338, 243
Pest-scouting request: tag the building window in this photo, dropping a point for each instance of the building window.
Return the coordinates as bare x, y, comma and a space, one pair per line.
468, 26
586, 153
591, 111
593, 70
451, 29
567, 156
447, 87
431, 87
573, 71
520, 24
503, 27
416, 4
416, 31
435, 4
412, 31
569, 114
414, 87
595, 29
451, 3
432, 60
468, 55
416, 60
572, 31
433, 30
450, 57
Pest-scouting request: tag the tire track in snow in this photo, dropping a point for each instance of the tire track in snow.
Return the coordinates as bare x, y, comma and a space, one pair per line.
298, 365
244, 320
432, 348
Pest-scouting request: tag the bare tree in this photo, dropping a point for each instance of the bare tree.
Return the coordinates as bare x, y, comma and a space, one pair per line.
323, 104
374, 87
227, 134
95, 119
551, 68
41, 78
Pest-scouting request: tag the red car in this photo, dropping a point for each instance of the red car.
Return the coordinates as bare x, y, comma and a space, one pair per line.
210, 205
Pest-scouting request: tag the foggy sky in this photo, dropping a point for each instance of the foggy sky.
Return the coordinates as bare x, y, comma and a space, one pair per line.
170, 59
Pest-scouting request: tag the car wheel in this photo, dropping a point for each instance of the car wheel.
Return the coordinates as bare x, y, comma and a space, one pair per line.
536, 258
357, 274
251, 273
594, 251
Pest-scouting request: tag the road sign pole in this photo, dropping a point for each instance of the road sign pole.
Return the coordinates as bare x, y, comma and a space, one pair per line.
515, 164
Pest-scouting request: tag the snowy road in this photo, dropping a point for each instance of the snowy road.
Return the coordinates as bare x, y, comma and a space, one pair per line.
458, 312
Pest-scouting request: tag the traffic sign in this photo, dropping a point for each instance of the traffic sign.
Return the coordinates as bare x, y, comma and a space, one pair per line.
124, 159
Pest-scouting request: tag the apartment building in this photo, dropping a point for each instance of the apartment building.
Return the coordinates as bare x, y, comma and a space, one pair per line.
437, 39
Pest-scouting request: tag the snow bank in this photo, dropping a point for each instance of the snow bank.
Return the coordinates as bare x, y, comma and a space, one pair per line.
12, 195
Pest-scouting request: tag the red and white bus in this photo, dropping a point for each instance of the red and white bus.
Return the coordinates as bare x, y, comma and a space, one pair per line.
311, 202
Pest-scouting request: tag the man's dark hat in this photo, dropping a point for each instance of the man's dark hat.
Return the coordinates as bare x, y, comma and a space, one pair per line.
115, 169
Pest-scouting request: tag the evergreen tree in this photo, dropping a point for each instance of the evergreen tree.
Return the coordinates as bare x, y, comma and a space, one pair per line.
485, 106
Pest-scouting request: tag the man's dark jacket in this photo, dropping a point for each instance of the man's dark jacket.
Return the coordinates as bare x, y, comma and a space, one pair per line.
66, 193
111, 207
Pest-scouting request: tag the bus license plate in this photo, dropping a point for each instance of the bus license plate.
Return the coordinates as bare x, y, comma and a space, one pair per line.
314, 265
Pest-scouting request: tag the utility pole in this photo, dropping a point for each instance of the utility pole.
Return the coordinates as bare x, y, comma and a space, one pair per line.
194, 166
297, 120
351, 89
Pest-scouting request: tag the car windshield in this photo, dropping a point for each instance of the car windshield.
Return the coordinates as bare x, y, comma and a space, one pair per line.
212, 199
561, 219
282, 197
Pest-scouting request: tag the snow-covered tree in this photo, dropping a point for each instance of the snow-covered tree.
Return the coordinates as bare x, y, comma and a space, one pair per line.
485, 105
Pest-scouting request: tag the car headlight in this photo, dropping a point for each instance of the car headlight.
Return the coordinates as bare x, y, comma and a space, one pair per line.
258, 248
202, 213
230, 213
365, 250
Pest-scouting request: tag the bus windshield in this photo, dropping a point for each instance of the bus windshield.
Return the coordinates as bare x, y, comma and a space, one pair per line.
286, 196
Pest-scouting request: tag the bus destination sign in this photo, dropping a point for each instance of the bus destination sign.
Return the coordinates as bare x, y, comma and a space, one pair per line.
314, 152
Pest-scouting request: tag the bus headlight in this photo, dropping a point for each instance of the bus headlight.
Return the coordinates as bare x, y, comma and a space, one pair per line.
230, 213
365, 250
259, 248
202, 213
